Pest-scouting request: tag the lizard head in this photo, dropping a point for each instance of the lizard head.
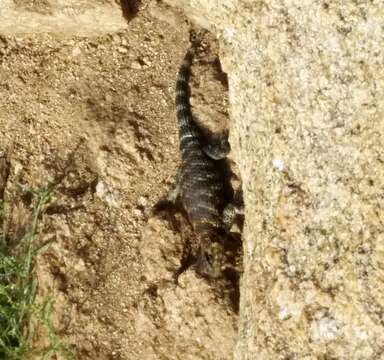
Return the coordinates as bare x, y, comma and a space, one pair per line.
218, 147
210, 260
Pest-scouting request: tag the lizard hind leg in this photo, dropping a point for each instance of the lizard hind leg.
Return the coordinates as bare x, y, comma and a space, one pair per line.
210, 260
188, 260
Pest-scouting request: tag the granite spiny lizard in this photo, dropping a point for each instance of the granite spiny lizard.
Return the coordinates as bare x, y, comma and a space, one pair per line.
200, 184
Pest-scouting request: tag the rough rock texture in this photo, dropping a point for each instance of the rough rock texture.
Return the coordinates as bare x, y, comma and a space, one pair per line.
306, 89
65, 16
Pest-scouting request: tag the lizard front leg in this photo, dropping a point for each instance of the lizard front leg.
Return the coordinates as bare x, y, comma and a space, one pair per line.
233, 210
169, 201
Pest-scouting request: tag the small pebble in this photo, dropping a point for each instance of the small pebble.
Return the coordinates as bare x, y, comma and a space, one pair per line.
137, 212
122, 50
76, 51
136, 65
142, 201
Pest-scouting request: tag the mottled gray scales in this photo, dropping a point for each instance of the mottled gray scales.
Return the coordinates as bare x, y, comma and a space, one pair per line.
200, 182
201, 186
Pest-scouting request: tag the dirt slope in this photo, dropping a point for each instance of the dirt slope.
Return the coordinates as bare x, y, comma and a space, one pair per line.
99, 112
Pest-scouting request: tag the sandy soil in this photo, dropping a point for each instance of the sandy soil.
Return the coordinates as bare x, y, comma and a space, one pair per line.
96, 115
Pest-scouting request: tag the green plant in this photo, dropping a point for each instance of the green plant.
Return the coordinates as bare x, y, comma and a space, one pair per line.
18, 288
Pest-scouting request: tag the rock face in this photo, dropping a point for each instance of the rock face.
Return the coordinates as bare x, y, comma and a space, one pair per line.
64, 16
306, 89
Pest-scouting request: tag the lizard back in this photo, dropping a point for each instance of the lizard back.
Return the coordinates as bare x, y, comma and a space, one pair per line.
201, 184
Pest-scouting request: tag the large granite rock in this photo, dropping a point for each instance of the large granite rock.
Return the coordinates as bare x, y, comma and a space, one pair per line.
63, 16
306, 88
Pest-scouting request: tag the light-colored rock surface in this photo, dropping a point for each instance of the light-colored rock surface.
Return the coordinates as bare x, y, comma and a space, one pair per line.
307, 106
63, 16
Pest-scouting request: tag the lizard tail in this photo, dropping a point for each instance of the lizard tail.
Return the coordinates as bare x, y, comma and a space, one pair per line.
187, 127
